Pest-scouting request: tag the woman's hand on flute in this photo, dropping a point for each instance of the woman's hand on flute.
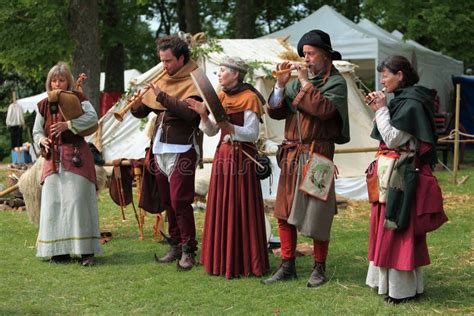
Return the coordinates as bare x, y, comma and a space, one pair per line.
283, 78
376, 100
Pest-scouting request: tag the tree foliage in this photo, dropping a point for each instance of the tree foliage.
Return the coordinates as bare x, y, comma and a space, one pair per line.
32, 39
33, 35
442, 25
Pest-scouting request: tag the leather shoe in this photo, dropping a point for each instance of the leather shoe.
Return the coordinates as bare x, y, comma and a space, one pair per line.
318, 276
172, 255
186, 262
287, 271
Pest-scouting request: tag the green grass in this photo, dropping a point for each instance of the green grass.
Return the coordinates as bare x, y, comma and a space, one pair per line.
127, 281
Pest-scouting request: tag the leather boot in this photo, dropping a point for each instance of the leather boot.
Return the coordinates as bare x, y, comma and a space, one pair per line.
318, 276
287, 271
186, 262
172, 255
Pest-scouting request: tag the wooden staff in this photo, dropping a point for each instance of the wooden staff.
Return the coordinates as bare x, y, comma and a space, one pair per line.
9, 190
137, 171
158, 227
118, 180
456, 134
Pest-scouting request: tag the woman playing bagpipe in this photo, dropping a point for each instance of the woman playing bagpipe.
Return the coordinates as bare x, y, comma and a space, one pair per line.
69, 223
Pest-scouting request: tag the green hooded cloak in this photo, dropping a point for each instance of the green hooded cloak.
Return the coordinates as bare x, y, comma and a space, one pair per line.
412, 111
334, 89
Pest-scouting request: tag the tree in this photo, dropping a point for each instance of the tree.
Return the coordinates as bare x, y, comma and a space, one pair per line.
126, 41
188, 16
82, 23
443, 25
32, 37
245, 17
115, 51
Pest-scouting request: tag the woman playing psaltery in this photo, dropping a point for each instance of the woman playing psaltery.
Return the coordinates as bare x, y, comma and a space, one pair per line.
407, 201
69, 222
234, 241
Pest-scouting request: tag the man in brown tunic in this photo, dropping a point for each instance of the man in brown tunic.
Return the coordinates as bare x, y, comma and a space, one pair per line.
314, 108
174, 147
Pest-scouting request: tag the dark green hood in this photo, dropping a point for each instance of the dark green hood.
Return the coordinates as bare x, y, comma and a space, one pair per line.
412, 111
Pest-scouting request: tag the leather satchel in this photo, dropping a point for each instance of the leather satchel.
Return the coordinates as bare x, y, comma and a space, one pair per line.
372, 182
318, 176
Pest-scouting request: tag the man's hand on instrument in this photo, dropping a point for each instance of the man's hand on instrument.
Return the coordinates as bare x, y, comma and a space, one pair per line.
155, 88
302, 74
226, 127
283, 78
58, 128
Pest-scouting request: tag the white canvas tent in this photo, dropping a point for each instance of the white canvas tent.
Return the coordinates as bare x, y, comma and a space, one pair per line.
435, 69
366, 45
29, 103
128, 139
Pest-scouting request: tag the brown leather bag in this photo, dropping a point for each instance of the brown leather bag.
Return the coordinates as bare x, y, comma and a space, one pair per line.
372, 182
70, 107
121, 185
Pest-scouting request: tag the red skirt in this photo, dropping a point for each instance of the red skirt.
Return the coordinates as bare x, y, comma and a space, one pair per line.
401, 250
234, 240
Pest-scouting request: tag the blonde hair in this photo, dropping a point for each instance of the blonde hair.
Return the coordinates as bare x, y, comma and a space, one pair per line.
60, 69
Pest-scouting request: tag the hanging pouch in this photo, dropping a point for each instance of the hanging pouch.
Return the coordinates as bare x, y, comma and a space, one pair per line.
372, 182
318, 176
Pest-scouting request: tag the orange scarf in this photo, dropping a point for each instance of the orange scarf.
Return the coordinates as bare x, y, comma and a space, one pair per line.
180, 85
245, 100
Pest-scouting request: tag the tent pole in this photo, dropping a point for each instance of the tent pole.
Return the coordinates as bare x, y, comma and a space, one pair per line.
456, 134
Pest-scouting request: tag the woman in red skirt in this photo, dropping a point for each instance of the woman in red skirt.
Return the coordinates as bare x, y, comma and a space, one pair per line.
407, 202
234, 242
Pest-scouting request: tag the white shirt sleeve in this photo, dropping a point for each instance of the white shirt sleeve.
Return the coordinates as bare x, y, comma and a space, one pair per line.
38, 130
86, 120
248, 132
276, 97
210, 127
391, 136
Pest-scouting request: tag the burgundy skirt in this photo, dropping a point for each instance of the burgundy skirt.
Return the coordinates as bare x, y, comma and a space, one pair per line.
234, 241
406, 249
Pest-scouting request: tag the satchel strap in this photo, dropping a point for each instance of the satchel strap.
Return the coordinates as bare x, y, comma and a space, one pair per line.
298, 125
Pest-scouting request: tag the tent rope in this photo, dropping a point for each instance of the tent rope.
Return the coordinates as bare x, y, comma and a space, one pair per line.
453, 132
